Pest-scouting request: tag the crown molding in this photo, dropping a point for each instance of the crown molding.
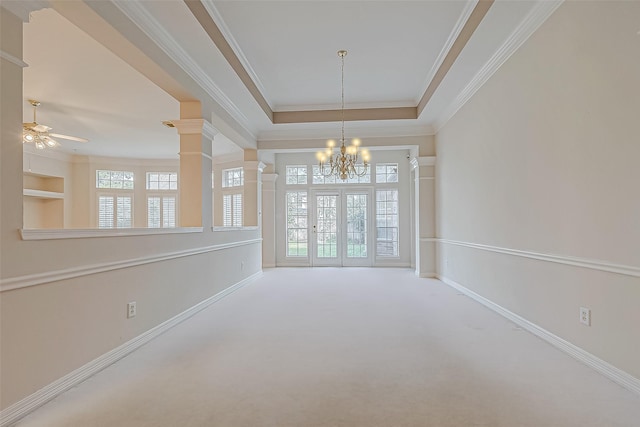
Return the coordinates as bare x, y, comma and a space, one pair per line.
23, 8
534, 19
226, 33
145, 21
209, 131
331, 131
462, 20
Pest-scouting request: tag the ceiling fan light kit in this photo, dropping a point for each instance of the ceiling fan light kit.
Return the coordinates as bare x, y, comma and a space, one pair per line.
39, 134
344, 164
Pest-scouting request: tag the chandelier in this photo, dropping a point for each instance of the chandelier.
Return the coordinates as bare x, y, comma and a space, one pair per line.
344, 162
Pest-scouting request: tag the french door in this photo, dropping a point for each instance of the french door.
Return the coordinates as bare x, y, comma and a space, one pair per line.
340, 228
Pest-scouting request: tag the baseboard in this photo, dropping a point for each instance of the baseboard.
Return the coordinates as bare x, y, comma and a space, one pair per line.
19, 409
427, 275
617, 375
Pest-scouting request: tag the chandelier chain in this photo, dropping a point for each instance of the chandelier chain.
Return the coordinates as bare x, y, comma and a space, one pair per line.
343, 164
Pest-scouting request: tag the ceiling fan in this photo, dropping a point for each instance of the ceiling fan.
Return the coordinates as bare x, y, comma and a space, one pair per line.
40, 135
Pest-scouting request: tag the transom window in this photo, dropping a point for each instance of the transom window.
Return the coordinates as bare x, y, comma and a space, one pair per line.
162, 181
114, 179
233, 177
318, 178
386, 172
296, 174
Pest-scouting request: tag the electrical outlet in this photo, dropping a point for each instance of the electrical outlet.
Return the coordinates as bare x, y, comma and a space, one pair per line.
585, 316
131, 309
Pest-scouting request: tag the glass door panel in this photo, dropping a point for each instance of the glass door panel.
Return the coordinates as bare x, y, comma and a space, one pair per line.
327, 248
356, 226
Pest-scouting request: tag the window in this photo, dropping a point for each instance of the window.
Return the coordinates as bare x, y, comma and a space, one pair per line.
115, 211
114, 179
232, 210
386, 172
387, 223
318, 178
296, 175
233, 177
161, 211
162, 181
364, 179
297, 223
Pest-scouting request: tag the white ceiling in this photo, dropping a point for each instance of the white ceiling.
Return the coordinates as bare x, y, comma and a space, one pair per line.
289, 47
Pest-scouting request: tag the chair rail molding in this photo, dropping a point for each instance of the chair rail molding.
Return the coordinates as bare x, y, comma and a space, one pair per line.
593, 264
18, 282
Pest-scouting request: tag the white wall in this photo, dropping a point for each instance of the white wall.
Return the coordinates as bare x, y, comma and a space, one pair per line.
543, 159
63, 302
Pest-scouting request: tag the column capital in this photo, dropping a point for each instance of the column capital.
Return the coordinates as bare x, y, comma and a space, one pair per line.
188, 126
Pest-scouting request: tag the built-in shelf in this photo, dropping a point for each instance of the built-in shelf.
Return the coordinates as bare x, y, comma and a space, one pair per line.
41, 194
43, 202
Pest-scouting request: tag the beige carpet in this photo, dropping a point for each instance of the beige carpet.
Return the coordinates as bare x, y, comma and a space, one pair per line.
344, 347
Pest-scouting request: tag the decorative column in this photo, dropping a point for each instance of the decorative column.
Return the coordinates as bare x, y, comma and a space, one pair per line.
251, 194
425, 224
194, 183
268, 227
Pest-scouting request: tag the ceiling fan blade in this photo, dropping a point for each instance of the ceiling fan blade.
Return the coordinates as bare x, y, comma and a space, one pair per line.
41, 128
71, 138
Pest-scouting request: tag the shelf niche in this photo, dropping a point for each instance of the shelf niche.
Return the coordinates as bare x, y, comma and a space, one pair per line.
43, 201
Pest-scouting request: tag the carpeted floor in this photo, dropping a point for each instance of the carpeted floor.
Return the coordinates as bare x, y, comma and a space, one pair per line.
344, 347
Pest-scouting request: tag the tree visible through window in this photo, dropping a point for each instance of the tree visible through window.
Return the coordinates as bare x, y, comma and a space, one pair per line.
386, 172
114, 179
387, 223
296, 174
297, 241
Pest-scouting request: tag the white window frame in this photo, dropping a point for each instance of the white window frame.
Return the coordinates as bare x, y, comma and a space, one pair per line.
111, 180
233, 178
287, 254
397, 227
386, 173
292, 173
169, 175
